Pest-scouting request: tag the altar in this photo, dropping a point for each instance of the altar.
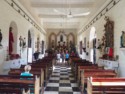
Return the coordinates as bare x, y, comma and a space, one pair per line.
16, 63
108, 64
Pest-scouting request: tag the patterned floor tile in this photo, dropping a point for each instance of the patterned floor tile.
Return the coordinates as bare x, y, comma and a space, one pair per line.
52, 89
53, 85
62, 78
53, 81
74, 85
65, 92
51, 92
62, 81
65, 85
54, 78
65, 89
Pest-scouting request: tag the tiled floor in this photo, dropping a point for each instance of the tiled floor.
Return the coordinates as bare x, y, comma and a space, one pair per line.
62, 82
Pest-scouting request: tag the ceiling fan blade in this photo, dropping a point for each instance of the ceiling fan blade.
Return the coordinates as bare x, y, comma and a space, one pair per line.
59, 12
82, 14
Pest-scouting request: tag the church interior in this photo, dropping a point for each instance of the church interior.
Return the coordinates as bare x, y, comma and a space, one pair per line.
62, 47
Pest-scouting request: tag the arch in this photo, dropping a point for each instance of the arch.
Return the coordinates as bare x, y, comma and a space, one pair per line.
92, 34
52, 40
92, 40
30, 45
70, 37
59, 37
13, 38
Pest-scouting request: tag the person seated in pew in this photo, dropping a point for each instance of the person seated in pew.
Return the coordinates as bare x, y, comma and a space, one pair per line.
36, 55
27, 69
46, 53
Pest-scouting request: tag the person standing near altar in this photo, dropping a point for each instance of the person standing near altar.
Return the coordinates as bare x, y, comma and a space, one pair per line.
58, 56
63, 57
67, 58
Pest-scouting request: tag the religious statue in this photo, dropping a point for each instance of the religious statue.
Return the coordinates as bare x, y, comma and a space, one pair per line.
24, 42
98, 45
108, 38
102, 45
88, 44
123, 39
64, 45
58, 43
0, 37
20, 44
53, 43
11, 40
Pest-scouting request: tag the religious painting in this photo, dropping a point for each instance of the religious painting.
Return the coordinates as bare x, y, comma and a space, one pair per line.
71, 38
52, 40
80, 46
109, 33
84, 46
42, 47
38, 44
0, 37
29, 39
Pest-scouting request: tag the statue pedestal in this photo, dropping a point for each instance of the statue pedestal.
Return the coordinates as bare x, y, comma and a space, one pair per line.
123, 50
1, 46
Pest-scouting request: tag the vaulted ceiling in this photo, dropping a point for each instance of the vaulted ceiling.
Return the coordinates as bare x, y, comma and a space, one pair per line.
63, 14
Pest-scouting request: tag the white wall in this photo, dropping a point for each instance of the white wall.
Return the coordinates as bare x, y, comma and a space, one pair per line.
7, 15
116, 14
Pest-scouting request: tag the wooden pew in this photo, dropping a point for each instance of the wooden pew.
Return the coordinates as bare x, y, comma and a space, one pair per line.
81, 68
95, 73
106, 85
16, 84
35, 71
81, 64
40, 66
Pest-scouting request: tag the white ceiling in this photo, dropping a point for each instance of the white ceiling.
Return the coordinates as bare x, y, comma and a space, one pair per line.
44, 9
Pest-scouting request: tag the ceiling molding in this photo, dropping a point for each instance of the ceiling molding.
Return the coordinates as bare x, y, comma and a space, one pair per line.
59, 5
103, 12
57, 16
21, 12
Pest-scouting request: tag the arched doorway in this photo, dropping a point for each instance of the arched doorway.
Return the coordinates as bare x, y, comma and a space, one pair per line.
61, 38
71, 42
52, 40
93, 45
13, 32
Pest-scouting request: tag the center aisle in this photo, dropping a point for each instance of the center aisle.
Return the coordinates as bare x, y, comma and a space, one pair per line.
62, 82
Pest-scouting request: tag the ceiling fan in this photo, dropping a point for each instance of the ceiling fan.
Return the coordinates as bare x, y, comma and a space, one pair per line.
70, 15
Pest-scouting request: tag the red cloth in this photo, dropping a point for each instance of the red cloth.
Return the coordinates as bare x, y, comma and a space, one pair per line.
110, 52
11, 40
